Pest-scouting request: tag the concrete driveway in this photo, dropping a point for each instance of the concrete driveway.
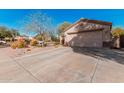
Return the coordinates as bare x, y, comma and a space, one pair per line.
63, 64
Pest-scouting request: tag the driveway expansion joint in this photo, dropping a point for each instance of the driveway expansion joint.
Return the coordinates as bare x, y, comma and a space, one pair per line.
94, 72
26, 70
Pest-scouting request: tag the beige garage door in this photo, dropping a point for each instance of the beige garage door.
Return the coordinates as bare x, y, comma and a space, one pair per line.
87, 39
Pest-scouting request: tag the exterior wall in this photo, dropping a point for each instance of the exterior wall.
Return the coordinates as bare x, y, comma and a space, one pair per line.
107, 34
116, 42
86, 39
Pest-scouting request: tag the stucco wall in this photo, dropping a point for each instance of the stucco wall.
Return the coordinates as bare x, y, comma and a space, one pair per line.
88, 39
107, 34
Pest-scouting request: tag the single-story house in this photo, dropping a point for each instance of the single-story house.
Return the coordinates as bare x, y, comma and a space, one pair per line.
88, 33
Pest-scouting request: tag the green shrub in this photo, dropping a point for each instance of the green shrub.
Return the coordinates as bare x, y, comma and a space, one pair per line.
21, 43
117, 32
33, 42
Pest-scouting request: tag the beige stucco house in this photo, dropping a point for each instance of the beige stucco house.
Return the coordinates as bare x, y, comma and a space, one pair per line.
88, 33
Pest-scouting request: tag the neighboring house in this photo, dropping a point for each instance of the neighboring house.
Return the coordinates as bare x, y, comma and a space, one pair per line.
21, 37
88, 33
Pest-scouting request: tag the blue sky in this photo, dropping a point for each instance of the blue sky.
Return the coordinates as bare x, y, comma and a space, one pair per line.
12, 18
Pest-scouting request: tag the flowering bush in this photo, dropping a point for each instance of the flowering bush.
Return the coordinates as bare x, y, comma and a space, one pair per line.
20, 43
14, 45
33, 42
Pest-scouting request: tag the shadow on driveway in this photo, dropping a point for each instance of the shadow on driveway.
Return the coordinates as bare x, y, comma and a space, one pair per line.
102, 53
